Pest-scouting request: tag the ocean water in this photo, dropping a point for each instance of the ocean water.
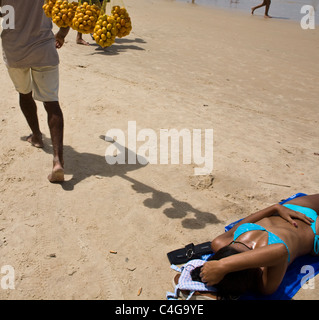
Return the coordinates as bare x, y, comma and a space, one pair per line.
279, 9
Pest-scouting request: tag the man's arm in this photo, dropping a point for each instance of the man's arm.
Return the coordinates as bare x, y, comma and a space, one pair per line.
60, 36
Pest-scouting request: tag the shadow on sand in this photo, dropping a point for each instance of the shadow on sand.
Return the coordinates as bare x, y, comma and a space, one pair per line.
120, 45
82, 165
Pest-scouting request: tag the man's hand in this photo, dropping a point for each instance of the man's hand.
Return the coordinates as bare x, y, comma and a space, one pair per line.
59, 41
60, 36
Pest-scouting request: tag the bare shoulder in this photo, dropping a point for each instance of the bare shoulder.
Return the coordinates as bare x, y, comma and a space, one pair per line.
222, 240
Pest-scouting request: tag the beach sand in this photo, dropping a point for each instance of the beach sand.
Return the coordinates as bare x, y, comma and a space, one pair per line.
254, 81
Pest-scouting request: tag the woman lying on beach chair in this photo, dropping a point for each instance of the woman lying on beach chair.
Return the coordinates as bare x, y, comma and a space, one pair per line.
254, 254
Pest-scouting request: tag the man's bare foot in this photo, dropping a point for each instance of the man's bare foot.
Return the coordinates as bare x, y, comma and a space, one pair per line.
57, 174
82, 42
36, 141
267, 16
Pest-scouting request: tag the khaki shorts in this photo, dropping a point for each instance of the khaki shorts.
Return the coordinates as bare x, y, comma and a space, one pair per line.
42, 81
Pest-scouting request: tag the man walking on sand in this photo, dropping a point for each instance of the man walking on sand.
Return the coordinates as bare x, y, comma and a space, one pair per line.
30, 54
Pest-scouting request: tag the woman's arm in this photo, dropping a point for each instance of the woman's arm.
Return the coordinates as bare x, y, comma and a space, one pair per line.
272, 259
276, 209
311, 201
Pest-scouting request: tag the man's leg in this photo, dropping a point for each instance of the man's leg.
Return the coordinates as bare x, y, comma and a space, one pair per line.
29, 109
79, 39
56, 124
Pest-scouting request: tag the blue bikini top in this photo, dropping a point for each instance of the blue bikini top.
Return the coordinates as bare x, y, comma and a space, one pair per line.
272, 238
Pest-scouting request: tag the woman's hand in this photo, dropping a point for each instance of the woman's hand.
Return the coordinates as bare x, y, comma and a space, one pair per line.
212, 272
288, 215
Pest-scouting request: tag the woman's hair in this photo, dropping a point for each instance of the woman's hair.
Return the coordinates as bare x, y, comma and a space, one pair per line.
238, 282
235, 283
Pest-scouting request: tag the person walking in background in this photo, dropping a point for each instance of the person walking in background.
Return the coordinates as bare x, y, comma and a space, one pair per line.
80, 40
30, 54
266, 4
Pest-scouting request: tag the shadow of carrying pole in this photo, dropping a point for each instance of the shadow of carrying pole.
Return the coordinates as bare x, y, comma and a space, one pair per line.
85, 165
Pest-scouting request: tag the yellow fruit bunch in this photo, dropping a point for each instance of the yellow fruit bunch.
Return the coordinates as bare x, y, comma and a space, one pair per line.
105, 31
85, 17
123, 21
63, 13
48, 6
